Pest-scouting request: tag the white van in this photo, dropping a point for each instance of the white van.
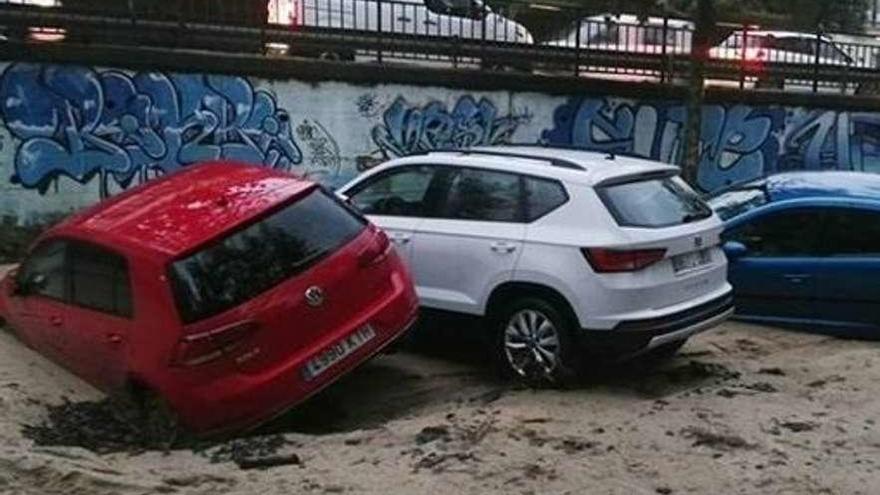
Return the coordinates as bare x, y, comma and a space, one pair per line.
626, 34
461, 19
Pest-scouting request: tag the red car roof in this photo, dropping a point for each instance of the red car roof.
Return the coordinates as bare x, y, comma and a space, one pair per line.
185, 209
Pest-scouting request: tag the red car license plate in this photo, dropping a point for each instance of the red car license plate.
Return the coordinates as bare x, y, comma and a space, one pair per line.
338, 351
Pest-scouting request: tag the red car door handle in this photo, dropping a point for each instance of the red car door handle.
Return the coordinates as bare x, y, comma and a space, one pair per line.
114, 338
55, 321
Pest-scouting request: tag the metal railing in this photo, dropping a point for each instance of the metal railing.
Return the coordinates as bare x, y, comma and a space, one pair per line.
456, 33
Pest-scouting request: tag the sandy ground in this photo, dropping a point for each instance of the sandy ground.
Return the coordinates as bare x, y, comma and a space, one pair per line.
744, 409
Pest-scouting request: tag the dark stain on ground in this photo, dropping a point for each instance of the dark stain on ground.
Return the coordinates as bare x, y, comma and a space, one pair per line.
825, 381
717, 441
765, 387
432, 433
250, 452
798, 426
656, 379
772, 371
97, 426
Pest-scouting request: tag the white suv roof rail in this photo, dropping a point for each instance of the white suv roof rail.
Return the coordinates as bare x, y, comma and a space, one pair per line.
555, 161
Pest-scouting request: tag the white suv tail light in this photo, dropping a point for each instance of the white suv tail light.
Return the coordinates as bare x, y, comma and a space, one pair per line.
618, 261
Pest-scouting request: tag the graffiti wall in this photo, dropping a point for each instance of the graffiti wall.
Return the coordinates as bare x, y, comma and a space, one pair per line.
71, 135
738, 142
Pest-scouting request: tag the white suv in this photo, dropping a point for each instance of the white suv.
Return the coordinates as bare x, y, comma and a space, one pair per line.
567, 253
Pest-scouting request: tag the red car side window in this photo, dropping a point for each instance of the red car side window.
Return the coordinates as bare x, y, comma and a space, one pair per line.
44, 271
99, 280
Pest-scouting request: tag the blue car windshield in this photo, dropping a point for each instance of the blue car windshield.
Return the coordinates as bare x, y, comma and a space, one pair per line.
738, 201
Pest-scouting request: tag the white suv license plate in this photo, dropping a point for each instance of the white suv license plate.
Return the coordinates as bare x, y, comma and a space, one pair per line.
338, 351
691, 261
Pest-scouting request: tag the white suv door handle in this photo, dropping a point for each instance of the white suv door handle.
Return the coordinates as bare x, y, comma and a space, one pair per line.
503, 247
399, 238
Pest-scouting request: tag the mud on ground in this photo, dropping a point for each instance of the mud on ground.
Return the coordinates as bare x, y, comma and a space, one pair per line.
744, 409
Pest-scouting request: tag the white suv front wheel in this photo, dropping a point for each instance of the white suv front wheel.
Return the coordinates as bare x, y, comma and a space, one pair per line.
534, 343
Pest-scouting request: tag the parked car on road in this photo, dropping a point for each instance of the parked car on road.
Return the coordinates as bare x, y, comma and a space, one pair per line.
219, 296
452, 19
564, 253
625, 35
629, 34
804, 249
783, 47
787, 48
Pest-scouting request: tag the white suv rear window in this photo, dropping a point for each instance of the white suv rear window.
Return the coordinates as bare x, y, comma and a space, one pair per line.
654, 203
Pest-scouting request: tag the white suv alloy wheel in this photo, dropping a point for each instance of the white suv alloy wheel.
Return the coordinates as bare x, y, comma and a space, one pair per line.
531, 345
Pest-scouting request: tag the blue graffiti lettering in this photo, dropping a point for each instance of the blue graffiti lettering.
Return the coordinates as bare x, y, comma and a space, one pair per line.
407, 129
80, 123
737, 142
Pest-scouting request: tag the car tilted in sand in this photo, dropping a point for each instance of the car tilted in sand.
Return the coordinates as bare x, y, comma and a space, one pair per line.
214, 298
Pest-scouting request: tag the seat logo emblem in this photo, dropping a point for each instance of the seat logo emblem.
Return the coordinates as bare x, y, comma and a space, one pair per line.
698, 242
314, 296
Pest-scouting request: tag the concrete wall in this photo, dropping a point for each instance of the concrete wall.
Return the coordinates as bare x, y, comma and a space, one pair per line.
72, 134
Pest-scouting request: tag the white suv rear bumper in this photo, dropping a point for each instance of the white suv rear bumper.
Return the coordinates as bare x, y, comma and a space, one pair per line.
689, 331
634, 337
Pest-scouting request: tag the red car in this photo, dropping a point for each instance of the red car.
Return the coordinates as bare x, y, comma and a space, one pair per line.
225, 293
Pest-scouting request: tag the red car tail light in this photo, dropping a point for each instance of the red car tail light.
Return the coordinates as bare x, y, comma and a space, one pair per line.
205, 347
617, 261
377, 251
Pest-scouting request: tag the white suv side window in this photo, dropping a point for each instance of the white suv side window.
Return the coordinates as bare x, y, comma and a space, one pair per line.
485, 195
401, 192
542, 197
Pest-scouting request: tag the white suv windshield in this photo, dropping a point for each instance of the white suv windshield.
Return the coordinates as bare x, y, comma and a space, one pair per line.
654, 203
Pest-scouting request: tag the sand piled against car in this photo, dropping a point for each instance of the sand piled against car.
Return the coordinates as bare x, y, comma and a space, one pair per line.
743, 410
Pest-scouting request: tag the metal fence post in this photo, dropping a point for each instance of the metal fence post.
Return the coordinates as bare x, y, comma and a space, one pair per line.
180, 21
817, 60
743, 58
483, 16
577, 46
663, 61
379, 30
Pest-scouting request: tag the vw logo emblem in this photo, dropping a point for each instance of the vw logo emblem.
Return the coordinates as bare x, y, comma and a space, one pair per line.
314, 296
698, 242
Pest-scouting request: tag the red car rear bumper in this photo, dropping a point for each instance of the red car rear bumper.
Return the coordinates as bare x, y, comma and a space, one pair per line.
239, 401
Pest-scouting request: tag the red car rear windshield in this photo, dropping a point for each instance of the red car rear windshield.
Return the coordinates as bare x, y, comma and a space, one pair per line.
261, 255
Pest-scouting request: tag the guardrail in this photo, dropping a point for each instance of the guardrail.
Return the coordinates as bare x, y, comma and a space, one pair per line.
456, 33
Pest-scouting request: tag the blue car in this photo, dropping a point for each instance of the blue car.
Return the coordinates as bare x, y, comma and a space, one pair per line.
804, 250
